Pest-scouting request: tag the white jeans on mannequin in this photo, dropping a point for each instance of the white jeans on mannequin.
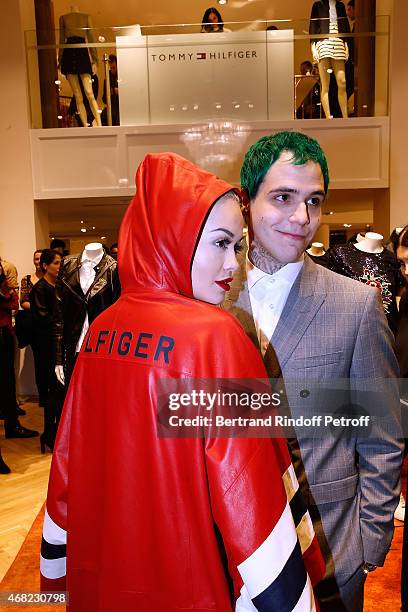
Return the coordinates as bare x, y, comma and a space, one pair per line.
339, 70
86, 79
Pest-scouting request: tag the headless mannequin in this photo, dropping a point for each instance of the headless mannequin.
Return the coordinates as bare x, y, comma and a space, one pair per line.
327, 65
338, 67
317, 249
93, 251
371, 243
79, 24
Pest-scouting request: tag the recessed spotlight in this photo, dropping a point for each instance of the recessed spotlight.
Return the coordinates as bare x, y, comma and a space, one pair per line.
346, 224
57, 82
218, 106
83, 229
93, 227
82, 220
331, 213
59, 116
222, 1
103, 237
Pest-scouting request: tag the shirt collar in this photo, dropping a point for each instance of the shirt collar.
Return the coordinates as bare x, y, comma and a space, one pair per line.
287, 274
85, 259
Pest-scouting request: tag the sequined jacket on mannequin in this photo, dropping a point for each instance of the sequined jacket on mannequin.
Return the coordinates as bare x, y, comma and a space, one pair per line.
72, 305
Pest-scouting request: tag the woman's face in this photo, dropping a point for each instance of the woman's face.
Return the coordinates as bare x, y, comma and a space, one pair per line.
36, 260
215, 261
52, 269
212, 18
402, 254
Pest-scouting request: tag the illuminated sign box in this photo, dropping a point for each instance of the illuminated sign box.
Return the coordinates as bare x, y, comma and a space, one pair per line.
186, 78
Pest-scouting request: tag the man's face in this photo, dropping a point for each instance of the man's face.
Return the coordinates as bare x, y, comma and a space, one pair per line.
350, 12
285, 213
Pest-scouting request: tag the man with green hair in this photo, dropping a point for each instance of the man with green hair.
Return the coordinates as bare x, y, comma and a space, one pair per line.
318, 328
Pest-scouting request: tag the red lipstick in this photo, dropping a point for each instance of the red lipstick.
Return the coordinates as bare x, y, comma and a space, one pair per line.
224, 284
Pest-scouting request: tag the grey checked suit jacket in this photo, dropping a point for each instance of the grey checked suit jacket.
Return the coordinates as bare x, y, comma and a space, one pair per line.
333, 327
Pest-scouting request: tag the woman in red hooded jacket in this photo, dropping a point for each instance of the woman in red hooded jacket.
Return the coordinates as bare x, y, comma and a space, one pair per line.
151, 523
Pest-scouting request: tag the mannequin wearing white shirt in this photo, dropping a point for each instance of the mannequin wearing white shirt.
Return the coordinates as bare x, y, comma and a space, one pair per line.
371, 243
91, 256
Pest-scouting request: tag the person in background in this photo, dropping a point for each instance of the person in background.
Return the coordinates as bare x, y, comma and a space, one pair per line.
213, 22
400, 248
310, 107
58, 245
401, 349
114, 93
351, 14
10, 272
28, 282
12, 426
42, 303
114, 251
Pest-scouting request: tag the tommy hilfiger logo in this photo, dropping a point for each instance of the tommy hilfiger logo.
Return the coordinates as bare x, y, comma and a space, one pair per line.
213, 55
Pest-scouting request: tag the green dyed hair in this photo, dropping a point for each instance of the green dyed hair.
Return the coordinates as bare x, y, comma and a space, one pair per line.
264, 153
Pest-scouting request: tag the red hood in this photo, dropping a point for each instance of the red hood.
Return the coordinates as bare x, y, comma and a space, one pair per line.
159, 231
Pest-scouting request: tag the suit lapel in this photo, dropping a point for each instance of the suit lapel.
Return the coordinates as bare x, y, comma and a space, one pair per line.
304, 300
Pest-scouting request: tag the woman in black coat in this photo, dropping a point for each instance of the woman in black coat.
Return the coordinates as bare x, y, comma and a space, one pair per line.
42, 307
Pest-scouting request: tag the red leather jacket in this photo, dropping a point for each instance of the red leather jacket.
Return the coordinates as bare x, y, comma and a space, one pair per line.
163, 524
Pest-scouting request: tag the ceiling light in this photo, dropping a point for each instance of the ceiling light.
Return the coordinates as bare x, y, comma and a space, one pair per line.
346, 224
222, 1
93, 227
103, 237
83, 229
82, 220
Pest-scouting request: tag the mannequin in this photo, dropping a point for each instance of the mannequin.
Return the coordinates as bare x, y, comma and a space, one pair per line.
316, 250
371, 243
87, 284
75, 63
317, 253
330, 54
370, 263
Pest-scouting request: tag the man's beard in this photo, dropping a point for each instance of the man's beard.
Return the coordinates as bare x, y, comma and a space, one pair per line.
262, 259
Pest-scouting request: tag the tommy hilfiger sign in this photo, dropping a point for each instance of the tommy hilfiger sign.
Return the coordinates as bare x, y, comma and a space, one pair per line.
199, 77
209, 55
